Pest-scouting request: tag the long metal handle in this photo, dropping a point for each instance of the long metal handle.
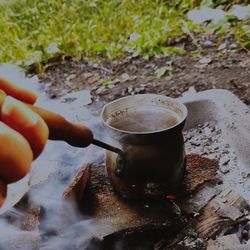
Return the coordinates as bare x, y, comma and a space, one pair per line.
107, 146
60, 129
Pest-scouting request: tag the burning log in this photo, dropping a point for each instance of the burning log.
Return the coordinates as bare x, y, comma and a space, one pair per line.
199, 183
118, 214
220, 213
79, 183
122, 220
145, 237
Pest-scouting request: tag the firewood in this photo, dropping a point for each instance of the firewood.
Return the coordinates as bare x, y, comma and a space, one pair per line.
79, 183
221, 212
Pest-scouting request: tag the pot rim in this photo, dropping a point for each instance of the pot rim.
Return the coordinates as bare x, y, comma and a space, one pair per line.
182, 107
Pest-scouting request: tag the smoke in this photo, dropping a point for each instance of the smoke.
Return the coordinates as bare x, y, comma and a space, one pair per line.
59, 223
78, 236
62, 226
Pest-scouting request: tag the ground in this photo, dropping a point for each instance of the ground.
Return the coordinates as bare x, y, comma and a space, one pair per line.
226, 67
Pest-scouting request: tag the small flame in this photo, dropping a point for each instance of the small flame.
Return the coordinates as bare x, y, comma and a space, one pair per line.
171, 197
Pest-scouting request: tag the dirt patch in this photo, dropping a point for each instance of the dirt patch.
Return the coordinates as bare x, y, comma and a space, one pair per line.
214, 67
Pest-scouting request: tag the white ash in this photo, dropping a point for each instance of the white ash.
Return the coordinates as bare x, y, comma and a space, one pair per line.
191, 243
208, 140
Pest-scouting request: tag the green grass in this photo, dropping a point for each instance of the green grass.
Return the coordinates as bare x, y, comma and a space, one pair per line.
34, 30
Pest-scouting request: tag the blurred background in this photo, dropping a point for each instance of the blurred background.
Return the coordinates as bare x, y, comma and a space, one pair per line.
133, 44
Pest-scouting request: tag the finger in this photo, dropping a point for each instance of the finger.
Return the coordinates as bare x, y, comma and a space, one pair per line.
19, 117
20, 93
15, 155
3, 192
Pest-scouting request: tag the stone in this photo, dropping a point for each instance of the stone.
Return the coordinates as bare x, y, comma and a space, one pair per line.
222, 46
102, 90
70, 77
224, 169
241, 12
130, 89
205, 60
223, 242
208, 44
87, 75
201, 15
139, 90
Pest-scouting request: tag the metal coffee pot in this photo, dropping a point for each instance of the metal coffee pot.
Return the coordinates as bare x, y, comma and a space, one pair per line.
153, 162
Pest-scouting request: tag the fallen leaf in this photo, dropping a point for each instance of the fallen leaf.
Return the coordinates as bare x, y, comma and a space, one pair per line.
162, 71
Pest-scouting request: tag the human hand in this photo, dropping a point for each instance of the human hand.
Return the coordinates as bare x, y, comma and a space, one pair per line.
23, 134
